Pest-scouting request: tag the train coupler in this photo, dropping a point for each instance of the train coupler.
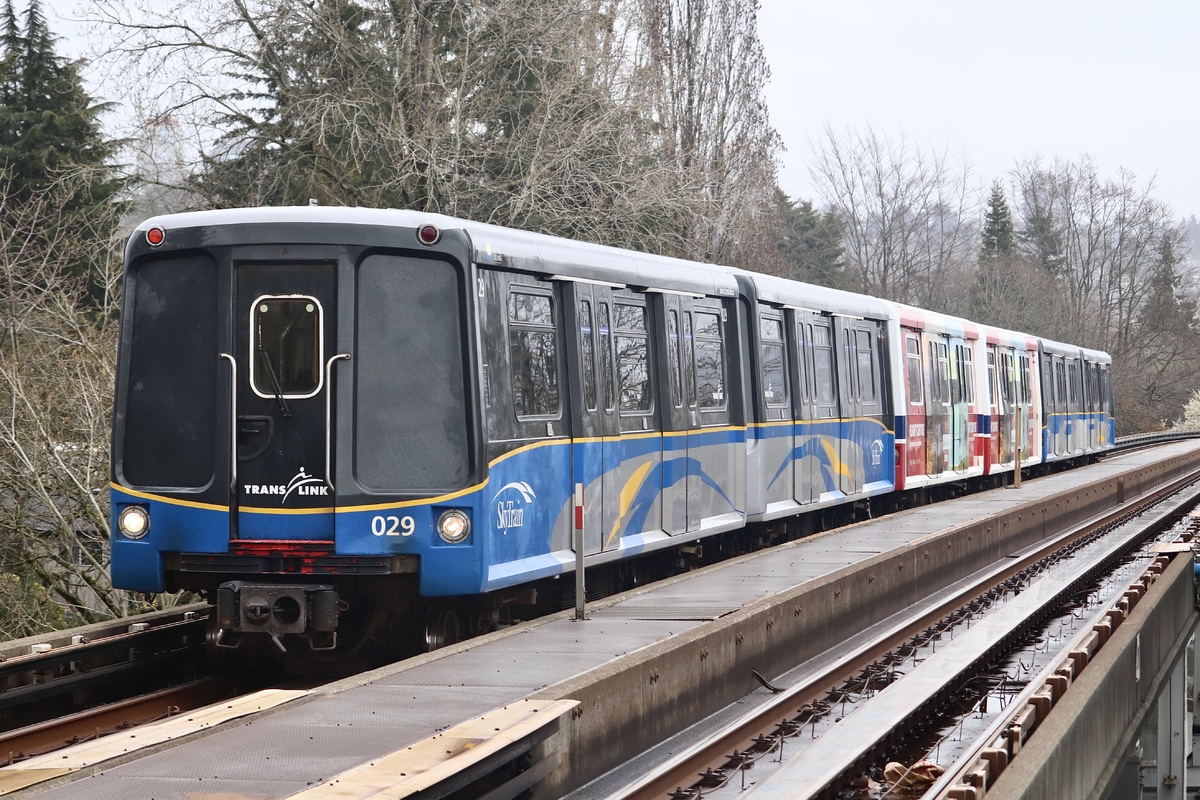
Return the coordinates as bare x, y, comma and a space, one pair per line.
276, 610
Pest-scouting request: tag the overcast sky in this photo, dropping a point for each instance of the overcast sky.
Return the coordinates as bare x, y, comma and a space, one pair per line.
994, 82
998, 82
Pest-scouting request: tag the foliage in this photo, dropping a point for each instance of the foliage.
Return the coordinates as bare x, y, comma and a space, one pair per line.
906, 216
811, 244
56, 377
997, 238
58, 211
49, 129
558, 116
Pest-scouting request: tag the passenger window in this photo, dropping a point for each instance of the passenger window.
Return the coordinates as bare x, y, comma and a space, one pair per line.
961, 375
710, 361
823, 364
533, 354
992, 383
774, 377
968, 374
1026, 380
606, 359
866, 366
587, 338
689, 361
674, 357
286, 350
916, 389
633, 356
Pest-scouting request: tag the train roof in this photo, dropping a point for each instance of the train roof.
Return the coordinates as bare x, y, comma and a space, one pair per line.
781, 291
494, 245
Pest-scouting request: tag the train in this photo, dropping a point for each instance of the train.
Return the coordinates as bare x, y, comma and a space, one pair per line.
349, 427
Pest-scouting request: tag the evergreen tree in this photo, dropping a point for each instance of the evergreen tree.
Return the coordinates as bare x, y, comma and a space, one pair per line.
811, 244
998, 237
50, 138
1162, 357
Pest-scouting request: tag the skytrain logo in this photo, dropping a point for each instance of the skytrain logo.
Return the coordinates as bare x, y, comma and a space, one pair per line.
303, 484
510, 512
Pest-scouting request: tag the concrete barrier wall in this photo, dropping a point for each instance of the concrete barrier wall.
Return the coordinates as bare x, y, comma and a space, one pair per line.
1078, 751
629, 705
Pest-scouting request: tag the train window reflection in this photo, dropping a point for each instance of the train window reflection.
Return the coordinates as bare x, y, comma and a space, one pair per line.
710, 361
532, 345
633, 356
774, 370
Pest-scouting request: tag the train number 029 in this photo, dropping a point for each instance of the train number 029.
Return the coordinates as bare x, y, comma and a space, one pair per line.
393, 526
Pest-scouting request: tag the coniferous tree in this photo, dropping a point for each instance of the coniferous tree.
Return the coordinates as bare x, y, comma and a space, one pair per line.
998, 237
811, 244
50, 136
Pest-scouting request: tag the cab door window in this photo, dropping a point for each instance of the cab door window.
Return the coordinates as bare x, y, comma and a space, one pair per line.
286, 346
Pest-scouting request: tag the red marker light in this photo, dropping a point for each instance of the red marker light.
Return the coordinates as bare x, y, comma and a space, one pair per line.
156, 236
428, 235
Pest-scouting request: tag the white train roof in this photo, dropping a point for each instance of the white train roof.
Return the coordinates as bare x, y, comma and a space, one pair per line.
493, 244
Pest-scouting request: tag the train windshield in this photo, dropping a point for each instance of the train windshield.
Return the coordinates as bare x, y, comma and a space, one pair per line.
412, 425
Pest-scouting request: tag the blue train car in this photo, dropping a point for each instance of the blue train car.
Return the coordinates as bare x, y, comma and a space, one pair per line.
351, 426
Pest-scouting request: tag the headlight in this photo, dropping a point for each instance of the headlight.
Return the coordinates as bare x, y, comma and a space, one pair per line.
134, 522
453, 526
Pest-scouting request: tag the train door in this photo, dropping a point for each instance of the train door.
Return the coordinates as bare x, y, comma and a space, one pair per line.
1006, 406
937, 404
997, 437
715, 467
859, 388
962, 397
914, 379
775, 388
818, 432
1091, 404
849, 472
1062, 409
1075, 428
681, 417
633, 457
598, 426
284, 361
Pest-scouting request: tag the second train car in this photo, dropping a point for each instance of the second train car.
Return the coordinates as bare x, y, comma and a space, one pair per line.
345, 425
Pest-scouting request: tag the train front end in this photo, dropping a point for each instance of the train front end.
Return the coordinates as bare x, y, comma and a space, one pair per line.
295, 430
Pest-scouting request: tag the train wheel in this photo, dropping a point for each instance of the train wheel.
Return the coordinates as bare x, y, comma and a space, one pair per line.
441, 628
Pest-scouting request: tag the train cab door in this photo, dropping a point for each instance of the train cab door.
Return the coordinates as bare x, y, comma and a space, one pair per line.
284, 360
593, 457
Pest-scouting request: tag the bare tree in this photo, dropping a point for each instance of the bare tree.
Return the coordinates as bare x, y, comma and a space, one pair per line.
584, 118
908, 217
701, 73
1100, 240
56, 375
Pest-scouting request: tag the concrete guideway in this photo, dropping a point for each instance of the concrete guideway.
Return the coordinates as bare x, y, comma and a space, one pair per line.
1079, 749
673, 684
643, 665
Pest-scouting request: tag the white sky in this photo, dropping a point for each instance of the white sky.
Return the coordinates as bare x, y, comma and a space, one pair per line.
997, 82
992, 82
